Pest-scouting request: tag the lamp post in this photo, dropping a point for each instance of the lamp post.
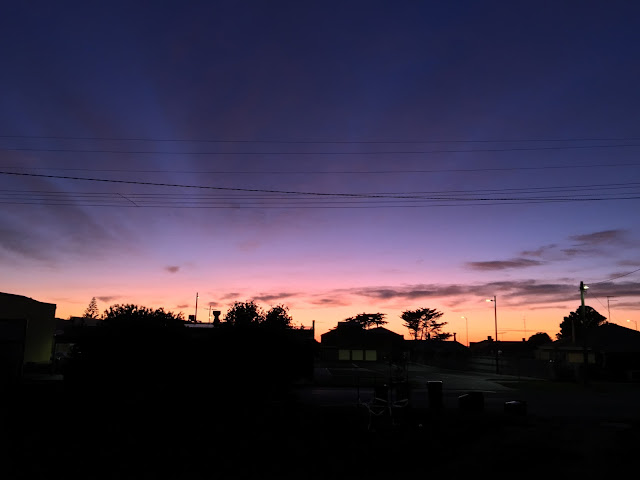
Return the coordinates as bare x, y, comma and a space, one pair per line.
585, 353
634, 321
466, 322
495, 319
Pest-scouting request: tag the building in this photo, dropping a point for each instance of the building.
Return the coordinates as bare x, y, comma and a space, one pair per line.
26, 334
440, 353
612, 352
351, 342
513, 357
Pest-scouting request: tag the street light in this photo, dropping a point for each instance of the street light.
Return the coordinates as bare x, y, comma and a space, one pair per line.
585, 353
495, 319
466, 322
634, 321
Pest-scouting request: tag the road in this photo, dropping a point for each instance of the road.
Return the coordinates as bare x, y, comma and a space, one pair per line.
346, 385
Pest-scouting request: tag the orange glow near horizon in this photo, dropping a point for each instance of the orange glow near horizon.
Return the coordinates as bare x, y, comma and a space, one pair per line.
331, 166
514, 323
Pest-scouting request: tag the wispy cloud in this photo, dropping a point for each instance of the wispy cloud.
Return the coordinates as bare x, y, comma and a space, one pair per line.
616, 236
325, 300
523, 293
572, 247
628, 263
172, 268
249, 245
108, 298
268, 298
230, 296
528, 294
21, 242
504, 264
540, 251
52, 234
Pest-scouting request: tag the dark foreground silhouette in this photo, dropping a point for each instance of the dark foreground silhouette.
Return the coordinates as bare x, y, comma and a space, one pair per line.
238, 403
50, 430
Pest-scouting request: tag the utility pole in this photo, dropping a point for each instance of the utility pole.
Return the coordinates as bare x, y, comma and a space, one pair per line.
195, 317
495, 319
585, 354
608, 309
466, 322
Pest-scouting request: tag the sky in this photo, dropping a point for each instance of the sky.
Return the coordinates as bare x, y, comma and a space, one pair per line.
337, 157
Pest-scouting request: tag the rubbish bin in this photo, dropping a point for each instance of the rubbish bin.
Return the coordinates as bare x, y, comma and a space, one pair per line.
471, 402
434, 391
515, 407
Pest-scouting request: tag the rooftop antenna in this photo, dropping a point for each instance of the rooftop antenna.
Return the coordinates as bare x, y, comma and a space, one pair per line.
608, 309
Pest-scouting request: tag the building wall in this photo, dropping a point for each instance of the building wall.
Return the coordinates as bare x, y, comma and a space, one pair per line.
40, 324
357, 354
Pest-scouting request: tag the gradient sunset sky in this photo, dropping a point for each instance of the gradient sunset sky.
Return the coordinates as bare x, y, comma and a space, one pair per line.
336, 157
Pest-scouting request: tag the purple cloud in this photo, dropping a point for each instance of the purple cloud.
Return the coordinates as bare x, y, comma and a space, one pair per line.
504, 264
603, 237
108, 298
268, 298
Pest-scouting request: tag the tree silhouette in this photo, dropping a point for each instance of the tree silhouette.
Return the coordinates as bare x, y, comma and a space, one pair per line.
133, 315
136, 347
592, 319
278, 317
92, 310
539, 338
368, 320
244, 314
413, 321
423, 323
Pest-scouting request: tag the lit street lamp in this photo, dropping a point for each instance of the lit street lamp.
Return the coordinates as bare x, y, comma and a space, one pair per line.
466, 322
585, 353
495, 319
634, 321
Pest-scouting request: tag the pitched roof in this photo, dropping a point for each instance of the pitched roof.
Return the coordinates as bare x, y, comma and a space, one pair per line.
347, 334
609, 337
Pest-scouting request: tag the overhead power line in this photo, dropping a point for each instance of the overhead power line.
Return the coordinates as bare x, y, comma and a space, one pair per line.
291, 199
323, 172
598, 188
206, 187
320, 142
326, 153
615, 277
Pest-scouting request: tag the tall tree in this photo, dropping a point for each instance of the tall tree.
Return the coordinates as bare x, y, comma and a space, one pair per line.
422, 323
92, 310
244, 314
576, 322
368, 320
278, 317
413, 321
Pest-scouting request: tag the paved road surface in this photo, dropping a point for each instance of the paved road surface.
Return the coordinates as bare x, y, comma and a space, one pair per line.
610, 401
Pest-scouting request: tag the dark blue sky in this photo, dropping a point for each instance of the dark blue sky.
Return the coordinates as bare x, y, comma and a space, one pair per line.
530, 107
